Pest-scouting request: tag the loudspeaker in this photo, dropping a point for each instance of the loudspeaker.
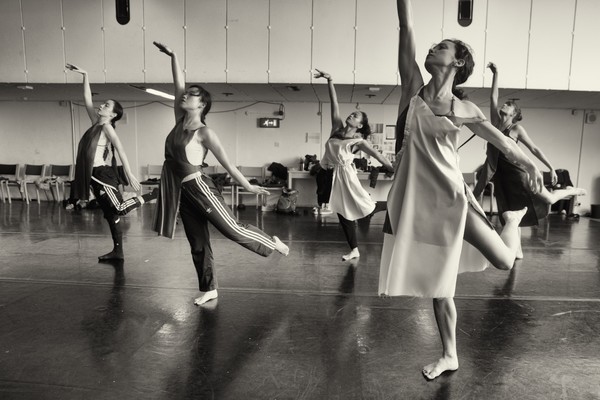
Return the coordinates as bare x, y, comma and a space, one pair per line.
591, 118
122, 7
465, 12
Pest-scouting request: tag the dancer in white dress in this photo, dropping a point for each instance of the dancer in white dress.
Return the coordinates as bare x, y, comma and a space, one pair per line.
431, 211
348, 198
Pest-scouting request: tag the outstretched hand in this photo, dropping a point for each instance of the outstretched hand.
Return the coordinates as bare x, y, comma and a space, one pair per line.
322, 74
492, 67
536, 179
75, 68
258, 190
163, 48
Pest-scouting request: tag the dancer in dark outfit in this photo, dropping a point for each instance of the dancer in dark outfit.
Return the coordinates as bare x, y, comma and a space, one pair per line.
183, 184
93, 168
511, 182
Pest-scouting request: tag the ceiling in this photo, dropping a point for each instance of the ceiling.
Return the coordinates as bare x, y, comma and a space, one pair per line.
303, 93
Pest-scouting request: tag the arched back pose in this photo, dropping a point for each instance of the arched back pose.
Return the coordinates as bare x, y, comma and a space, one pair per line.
348, 198
93, 167
510, 179
184, 186
431, 211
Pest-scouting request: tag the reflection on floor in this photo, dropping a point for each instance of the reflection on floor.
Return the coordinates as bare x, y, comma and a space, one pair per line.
308, 326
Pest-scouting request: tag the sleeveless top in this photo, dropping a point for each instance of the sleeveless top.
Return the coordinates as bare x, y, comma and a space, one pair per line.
102, 150
176, 167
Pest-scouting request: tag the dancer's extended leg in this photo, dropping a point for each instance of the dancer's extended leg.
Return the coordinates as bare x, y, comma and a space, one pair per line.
556, 195
500, 250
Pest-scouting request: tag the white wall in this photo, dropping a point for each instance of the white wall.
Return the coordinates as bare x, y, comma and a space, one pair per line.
41, 132
245, 39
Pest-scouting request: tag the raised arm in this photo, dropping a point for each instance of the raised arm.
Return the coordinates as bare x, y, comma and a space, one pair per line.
111, 135
365, 146
506, 145
178, 79
336, 121
410, 75
212, 143
494, 115
87, 92
524, 138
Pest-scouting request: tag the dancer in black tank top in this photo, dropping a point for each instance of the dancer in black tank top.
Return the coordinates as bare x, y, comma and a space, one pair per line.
511, 180
200, 201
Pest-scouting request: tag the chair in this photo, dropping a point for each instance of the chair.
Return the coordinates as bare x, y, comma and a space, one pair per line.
488, 190
152, 179
9, 176
250, 173
64, 174
32, 173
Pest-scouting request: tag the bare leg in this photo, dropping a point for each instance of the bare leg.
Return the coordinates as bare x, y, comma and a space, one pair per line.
519, 255
500, 250
556, 195
445, 316
206, 296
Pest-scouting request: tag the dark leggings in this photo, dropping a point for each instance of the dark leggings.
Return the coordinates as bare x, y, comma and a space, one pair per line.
201, 202
324, 183
349, 228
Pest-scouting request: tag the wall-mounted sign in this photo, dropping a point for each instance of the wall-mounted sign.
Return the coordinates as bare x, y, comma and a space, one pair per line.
268, 122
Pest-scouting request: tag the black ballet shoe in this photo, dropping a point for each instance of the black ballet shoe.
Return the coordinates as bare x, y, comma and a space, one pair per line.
113, 255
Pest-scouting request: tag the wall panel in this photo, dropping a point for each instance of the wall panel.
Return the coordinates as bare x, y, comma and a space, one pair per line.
205, 41
124, 44
247, 41
43, 41
84, 44
507, 41
11, 42
163, 22
473, 35
334, 38
550, 44
290, 41
377, 42
584, 63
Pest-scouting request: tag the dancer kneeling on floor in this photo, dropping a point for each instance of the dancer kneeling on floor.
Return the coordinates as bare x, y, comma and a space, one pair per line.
200, 201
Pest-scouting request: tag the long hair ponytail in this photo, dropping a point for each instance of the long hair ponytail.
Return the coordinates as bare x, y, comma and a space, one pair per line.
463, 52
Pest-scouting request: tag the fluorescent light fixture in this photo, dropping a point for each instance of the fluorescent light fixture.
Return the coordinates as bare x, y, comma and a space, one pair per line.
159, 93
154, 92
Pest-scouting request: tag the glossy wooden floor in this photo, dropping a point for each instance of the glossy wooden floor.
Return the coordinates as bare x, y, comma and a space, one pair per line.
308, 326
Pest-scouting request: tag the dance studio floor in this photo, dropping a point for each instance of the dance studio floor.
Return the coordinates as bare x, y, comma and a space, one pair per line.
307, 326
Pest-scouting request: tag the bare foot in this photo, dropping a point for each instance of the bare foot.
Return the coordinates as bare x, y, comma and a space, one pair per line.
577, 191
435, 369
514, 215
519, 255
207, 296
353, 254
280, 246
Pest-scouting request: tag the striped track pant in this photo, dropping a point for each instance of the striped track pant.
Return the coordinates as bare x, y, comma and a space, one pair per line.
201, 202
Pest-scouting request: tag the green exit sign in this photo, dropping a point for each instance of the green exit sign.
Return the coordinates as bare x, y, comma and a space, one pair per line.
268, 122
